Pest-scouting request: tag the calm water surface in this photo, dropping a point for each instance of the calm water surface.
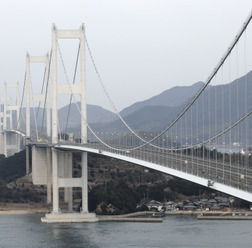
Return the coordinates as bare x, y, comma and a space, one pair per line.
175, 231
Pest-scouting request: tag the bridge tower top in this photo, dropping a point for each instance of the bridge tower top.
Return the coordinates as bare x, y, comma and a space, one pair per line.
8, 108
60, 89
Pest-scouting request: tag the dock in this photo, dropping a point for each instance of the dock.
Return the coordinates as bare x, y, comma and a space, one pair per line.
144, 216
120, 219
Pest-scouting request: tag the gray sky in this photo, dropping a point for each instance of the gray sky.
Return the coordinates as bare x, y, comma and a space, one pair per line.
141, 47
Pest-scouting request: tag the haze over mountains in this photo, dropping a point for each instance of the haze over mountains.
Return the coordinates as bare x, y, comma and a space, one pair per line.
157, 112
170, 98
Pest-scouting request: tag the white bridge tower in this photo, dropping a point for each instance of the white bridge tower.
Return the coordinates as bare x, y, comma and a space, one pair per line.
62, 161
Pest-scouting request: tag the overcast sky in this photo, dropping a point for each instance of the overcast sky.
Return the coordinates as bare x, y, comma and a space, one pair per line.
141, 47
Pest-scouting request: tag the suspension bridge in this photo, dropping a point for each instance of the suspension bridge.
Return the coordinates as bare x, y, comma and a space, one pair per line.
207, 141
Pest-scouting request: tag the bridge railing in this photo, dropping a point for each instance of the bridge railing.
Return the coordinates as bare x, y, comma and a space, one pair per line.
216, 171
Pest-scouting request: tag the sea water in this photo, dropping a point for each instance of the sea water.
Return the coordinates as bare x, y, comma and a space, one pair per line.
175, 231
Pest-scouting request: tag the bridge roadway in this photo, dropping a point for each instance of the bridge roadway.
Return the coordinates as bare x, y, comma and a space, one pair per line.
223, 177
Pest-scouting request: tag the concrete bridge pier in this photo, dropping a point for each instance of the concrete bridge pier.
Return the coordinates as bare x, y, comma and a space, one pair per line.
9, 143
84, 168
49, 174
27, 155
65, 169
18, 142
62, 178
12, 145
39, 165
5, 144
41, 168
2, 144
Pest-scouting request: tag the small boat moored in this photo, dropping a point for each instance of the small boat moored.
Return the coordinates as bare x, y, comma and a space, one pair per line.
159, 214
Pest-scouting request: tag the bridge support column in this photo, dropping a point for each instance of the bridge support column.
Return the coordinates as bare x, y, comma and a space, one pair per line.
5, 144
27, 153
2, 144
18, 142
12, 143
41, 168
59, 160
49, 175
68, 172
85, 182
55, 181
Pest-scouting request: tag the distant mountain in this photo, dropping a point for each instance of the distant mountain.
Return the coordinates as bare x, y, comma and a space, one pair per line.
217, 107
170, 98
173, 97
95, 114
157, 112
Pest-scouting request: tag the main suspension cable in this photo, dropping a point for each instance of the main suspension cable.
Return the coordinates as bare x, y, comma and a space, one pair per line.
209, 79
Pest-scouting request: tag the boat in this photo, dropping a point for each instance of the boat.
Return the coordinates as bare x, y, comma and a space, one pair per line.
159, 214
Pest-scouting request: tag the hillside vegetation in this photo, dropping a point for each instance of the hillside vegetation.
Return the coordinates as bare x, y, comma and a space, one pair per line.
12, 167
11, 170
113, 183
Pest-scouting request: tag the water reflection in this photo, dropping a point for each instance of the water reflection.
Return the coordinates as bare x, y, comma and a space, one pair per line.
72, 235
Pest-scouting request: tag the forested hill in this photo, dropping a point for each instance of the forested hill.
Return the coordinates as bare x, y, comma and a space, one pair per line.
12, 167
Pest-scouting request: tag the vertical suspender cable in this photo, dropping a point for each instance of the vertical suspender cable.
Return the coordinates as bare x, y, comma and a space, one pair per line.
246, 106
42, 89
71, 97
18, 122
209, 131
222, 121
237, 161
215, 128
229, 108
